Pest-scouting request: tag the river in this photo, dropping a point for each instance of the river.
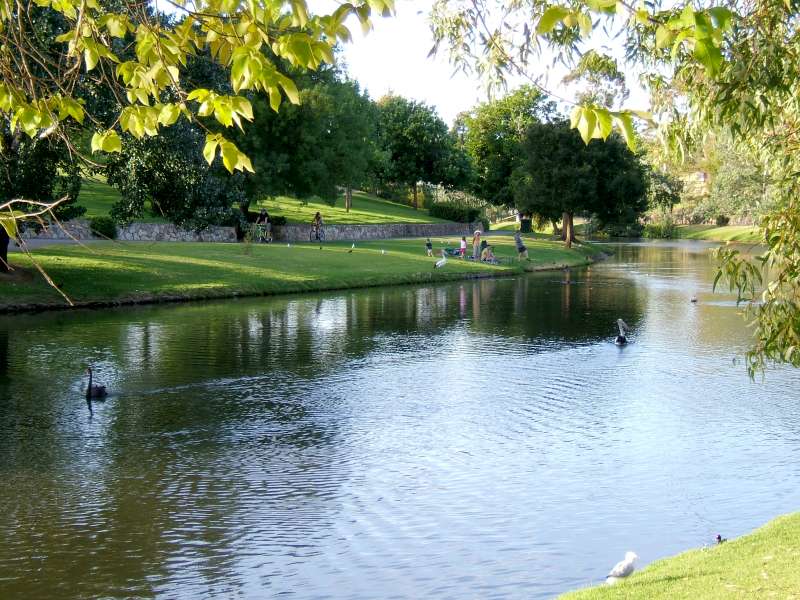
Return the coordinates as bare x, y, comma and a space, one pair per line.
474, 439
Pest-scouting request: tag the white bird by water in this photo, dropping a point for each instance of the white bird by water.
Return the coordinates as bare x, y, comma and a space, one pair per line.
441, 262
383, 251
622, 569
353, 247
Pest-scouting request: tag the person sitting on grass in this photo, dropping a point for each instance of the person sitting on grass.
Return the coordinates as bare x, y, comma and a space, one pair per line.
429, 247
264, 227
488, 256
522, 251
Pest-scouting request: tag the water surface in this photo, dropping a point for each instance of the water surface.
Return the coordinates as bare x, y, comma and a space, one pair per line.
476, 439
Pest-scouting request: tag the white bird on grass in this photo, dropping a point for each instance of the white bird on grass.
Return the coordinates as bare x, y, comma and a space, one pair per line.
622, 569
441, 262
383, 252
353, 247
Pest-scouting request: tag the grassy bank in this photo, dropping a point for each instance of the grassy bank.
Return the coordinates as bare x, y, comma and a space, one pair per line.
113, 272
98, 197
728, 233
763, 564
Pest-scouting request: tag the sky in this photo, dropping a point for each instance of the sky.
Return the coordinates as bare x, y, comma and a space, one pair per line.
394, 57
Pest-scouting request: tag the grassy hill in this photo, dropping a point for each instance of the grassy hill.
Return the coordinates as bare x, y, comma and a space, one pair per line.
727, 233
97, 196
763, 564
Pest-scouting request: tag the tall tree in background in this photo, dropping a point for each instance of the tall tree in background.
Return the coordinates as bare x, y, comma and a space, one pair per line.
417, 144
560, 175
492, 135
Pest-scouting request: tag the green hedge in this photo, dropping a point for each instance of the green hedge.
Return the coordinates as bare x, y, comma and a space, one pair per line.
104, 227
454, 212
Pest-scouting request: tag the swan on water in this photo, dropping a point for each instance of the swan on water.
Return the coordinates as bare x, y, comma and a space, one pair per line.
93, 390
621, 340
622, 569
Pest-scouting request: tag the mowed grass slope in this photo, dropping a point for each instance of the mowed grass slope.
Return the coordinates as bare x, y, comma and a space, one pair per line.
727, 233
139, 271
366, 210
764, 564
97, 196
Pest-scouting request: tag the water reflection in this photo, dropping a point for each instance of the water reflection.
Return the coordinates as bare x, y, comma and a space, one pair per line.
479, 437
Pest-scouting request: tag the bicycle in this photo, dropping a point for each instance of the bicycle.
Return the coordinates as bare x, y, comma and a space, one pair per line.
317, 234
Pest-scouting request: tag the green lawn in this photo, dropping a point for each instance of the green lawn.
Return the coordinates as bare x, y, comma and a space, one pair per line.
366, 210
113, 271
764, 564
97, 196
732, 233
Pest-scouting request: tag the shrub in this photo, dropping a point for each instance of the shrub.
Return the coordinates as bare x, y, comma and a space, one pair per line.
454, 212
278, 221
104, 227
486, 223
525, 225
722, 220
664, 230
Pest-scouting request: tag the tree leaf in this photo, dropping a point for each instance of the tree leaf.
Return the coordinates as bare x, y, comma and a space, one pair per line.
551, 17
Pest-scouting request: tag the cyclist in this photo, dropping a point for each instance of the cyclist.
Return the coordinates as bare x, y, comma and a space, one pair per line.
264, 227
317, 225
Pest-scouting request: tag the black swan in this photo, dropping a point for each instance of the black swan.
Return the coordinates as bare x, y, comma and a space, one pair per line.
621, 340
94, 391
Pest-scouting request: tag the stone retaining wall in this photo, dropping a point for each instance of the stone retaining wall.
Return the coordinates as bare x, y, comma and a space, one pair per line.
166, 232
146, 232
301, 233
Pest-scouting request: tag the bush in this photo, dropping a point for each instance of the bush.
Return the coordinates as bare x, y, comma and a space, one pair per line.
623, 230
278, 221
104, 227
525, 225
487, 224
454, 212
664, 230
722, 220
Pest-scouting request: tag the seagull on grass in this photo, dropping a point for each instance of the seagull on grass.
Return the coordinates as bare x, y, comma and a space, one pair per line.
353, 247
622, 569
441, 262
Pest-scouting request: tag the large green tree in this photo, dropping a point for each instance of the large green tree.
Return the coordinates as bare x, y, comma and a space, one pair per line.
418, 146
492, 134
560, 175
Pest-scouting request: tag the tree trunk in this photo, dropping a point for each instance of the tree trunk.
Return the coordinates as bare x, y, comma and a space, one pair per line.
568, 229
348, 198
415, 196
556, 230
4, 239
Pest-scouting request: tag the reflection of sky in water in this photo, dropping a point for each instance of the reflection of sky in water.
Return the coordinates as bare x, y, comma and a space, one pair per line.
476, 438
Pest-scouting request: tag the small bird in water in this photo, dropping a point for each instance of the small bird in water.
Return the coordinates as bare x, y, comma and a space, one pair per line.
622, 569
441, 262
621, 340
353, 247
720, 539
92, 390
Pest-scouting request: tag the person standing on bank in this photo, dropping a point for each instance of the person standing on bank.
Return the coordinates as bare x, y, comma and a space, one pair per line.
476, 245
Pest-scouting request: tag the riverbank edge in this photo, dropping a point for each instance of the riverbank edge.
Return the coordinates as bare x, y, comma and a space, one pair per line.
418, 278
758, 549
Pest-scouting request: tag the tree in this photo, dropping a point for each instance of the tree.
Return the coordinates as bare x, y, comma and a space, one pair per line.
730, 66
417, 144
138, 57
314, 148
561, 175
172, 174
492, 135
